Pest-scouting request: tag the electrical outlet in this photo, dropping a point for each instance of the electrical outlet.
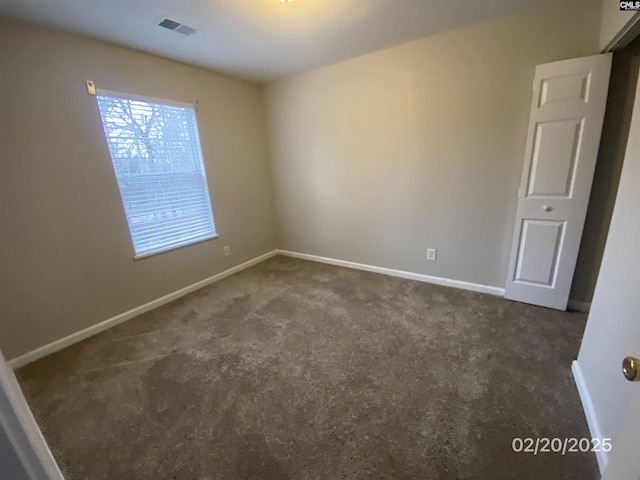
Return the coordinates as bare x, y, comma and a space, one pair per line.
432, 254
227, 250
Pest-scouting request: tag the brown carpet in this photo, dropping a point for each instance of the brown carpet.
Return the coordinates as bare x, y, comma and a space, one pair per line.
297, 370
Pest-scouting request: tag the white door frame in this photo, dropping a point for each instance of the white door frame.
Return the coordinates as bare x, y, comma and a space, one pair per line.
28, 451
612, 404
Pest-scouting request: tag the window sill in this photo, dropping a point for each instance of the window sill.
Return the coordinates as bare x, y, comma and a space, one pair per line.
173, 247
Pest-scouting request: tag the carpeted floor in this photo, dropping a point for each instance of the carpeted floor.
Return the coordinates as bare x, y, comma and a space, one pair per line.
295, 370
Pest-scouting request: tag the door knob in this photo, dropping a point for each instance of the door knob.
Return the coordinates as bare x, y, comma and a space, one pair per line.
547, 208
630, 366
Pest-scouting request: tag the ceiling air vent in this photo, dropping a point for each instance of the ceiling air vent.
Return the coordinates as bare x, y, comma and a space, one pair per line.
176, 26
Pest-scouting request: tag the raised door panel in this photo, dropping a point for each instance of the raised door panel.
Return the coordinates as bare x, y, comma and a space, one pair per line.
555, 156
540, 247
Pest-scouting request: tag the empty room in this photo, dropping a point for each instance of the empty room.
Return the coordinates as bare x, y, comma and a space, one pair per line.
319, 239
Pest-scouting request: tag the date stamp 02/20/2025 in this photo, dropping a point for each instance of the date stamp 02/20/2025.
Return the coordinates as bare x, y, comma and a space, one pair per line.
562, 446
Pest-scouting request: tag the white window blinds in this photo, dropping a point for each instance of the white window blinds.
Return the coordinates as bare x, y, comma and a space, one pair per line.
155, 149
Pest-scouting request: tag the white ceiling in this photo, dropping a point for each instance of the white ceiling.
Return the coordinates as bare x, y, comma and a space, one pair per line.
261, 39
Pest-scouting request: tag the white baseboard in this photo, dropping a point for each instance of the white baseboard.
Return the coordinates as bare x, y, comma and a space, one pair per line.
447, 282
123, 317
589, 412
579, 306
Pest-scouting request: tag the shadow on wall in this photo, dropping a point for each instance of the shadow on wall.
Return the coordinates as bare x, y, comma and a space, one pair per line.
624, 78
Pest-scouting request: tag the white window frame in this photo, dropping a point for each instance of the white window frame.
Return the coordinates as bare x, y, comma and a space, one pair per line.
142, 98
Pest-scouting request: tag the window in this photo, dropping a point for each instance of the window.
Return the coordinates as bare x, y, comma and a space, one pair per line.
155, 150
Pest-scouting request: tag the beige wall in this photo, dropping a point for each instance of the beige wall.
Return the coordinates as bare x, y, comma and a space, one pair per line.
420, 145
612, 22
65, 249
